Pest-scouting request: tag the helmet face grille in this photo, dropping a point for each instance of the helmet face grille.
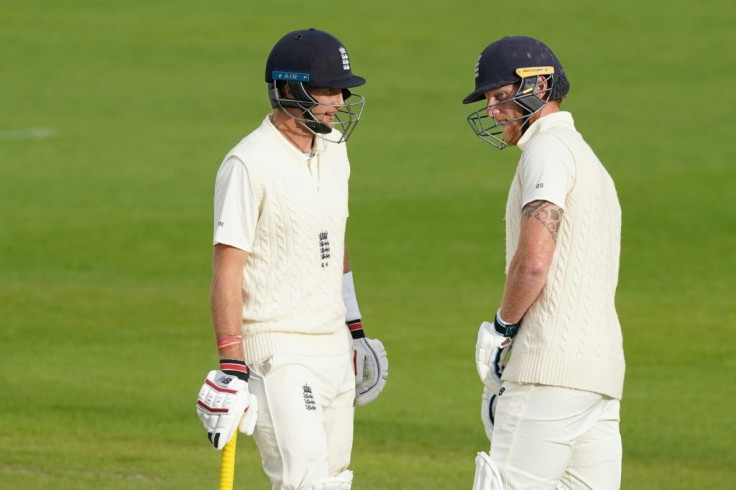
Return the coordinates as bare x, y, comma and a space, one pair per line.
485, 126
346, 116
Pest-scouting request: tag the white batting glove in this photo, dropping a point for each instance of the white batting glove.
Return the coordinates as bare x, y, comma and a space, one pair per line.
370, 364
492, 351
488, 410
224, 403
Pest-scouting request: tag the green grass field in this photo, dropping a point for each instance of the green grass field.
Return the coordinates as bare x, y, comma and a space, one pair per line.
114, 117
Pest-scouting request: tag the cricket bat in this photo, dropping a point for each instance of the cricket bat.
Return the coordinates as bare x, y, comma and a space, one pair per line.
227, 465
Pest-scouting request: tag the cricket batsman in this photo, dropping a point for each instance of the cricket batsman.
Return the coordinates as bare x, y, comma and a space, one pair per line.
294, 359
552, 360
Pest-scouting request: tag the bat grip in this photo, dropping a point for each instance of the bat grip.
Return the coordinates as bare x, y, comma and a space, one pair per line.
227, 466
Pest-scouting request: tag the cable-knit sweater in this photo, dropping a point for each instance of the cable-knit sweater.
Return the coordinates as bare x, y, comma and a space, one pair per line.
293, 276
571, 337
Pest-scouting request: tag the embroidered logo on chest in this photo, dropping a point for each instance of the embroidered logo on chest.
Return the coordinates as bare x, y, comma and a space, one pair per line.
324, 249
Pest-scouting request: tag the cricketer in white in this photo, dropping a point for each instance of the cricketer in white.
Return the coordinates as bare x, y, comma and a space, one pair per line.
283, 299
552, 362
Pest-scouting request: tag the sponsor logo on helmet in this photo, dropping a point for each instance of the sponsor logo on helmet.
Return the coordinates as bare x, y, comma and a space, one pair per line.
477, 66
290, 75
345, 60
535, 70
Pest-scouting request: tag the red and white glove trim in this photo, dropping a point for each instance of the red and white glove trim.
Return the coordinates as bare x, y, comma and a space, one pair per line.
235, 367
356, 329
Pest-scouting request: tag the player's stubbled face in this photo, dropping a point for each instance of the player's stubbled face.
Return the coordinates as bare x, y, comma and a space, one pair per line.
505, 111
330, 100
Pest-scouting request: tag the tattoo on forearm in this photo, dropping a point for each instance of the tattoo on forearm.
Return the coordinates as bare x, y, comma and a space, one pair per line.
550, 215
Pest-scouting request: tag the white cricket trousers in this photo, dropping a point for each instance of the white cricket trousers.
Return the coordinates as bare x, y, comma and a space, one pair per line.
547, 437
305, 416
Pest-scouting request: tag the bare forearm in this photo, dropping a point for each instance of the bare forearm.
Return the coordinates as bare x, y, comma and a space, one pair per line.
227, 316
529, 267
226, 298
523, 285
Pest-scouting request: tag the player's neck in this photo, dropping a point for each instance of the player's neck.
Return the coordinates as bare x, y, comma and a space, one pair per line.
550, 107
299, 136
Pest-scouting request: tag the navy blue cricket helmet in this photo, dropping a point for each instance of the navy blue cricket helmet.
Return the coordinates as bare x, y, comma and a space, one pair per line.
517, 60
311, 57
314, 57
502, 62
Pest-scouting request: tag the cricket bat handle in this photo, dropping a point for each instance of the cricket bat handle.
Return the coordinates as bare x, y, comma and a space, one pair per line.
227, 466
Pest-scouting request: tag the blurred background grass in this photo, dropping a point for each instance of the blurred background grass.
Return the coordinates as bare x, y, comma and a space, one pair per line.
115, 116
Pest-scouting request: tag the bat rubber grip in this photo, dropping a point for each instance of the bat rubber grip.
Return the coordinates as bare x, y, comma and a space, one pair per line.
227, 466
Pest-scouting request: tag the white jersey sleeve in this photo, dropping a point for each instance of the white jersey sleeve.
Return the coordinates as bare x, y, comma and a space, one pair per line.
236, 209
547, 171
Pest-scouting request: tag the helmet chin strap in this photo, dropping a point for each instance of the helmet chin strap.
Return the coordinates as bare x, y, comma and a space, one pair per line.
314, 125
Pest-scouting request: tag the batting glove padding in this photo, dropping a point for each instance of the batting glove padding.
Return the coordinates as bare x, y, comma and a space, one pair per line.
487, 476
488, 410
225, 404
370, 364
491, 355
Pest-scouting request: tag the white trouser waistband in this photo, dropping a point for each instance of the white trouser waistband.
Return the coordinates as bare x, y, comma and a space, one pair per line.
264, 345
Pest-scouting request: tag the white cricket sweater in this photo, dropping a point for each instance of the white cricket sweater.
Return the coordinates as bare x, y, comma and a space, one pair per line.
571, 336
293, 276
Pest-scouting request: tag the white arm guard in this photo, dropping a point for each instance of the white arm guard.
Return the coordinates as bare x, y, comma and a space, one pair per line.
491, 355
371, 369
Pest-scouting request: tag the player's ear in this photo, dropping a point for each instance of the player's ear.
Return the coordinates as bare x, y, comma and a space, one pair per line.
542, 85
287, 91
